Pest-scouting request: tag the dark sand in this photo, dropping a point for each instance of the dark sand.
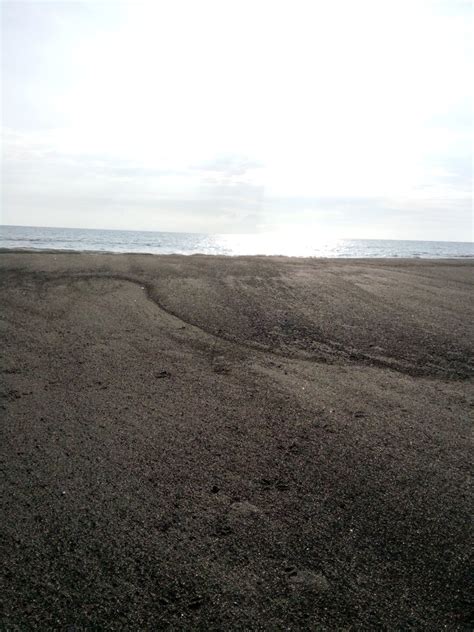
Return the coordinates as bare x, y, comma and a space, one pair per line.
208, 443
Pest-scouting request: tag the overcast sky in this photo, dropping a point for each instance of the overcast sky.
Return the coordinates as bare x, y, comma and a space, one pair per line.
347, 118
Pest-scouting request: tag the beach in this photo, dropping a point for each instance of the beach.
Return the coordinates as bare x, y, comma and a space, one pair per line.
242, 443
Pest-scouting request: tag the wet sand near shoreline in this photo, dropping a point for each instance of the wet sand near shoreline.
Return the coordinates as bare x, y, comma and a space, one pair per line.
250, 443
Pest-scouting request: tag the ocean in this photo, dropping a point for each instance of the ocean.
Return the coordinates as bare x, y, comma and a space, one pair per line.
126, 241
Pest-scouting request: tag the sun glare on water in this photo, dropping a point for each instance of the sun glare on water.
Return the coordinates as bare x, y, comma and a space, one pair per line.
277, 243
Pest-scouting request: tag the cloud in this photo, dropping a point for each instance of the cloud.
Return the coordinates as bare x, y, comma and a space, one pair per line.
217, 194
223, 193
422, 218
362, 118
229, 165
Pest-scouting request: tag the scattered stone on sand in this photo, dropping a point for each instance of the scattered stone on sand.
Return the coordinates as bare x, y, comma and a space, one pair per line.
162, 374
220, 365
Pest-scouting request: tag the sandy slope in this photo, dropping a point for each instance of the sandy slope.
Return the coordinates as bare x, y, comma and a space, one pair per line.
248, 443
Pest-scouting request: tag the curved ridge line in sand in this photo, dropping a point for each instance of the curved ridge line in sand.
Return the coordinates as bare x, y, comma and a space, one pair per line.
339, 356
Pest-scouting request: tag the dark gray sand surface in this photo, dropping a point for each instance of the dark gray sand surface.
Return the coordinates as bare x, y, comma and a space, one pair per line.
210, 443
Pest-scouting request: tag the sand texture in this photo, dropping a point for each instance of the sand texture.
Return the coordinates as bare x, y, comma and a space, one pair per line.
211, 443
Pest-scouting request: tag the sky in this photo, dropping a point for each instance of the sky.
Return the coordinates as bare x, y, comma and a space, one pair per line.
338, 118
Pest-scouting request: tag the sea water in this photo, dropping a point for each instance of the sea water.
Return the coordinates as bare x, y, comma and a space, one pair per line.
127, 241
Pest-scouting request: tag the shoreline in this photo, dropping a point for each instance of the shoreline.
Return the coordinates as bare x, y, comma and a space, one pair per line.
225, 256
209, 441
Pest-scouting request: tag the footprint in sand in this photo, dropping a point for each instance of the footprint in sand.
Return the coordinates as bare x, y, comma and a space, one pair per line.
243, 509
304, 578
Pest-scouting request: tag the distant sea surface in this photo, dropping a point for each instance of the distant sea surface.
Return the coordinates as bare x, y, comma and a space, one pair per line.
81, 240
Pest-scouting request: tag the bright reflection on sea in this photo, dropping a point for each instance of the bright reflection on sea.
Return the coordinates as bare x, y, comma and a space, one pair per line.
308, 244
291, 245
